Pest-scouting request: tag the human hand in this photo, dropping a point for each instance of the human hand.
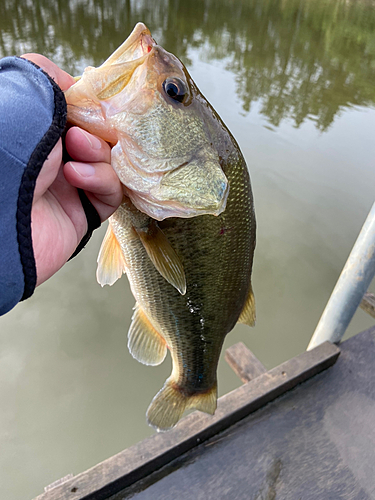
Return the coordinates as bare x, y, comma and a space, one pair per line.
58, 221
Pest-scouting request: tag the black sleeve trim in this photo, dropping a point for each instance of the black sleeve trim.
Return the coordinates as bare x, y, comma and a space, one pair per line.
26, 191
93, 221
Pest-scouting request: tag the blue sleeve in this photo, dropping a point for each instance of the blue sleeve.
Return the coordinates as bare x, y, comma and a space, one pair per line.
32, 119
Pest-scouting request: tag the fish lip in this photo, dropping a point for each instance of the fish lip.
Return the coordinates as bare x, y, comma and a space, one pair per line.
143, 34
139, 38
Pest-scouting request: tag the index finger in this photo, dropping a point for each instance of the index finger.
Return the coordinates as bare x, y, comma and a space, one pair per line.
83, 146
61, 77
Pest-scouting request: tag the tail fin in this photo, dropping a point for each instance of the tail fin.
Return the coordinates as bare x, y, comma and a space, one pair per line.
170, 402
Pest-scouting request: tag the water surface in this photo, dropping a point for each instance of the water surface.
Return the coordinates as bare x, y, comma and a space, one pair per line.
294, 82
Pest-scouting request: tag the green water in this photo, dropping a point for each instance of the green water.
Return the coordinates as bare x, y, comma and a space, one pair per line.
295, 83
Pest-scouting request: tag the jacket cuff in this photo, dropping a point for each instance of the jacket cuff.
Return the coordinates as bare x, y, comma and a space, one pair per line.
32, 119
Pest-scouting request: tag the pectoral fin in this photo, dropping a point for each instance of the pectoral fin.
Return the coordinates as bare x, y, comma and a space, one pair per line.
111, 262
247, 316
145, 343
162, 255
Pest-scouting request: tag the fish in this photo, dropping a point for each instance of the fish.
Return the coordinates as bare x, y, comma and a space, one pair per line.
190, 273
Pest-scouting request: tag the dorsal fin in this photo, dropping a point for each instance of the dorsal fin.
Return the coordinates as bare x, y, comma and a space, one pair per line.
111, 261
247, 316
145, 343
162, 255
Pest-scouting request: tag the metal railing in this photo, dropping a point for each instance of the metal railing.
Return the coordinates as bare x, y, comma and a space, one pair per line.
350, 288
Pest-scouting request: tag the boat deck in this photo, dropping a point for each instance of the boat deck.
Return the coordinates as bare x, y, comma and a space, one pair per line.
314, 441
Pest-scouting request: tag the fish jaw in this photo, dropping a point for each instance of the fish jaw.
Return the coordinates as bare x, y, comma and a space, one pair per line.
138, 43
86, 99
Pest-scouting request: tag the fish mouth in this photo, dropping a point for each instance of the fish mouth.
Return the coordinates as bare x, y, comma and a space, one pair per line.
138, 44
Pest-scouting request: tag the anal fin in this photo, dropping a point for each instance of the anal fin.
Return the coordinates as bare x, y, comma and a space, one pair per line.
163, 256
111, 261
145, 343
247, 316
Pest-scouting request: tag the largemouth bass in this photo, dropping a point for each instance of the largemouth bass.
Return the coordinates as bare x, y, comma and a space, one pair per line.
190, 275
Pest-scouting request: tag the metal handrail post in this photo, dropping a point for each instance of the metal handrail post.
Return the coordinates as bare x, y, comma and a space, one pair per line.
353, 282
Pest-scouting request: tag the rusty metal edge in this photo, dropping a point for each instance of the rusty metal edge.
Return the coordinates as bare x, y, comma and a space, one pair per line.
138, 461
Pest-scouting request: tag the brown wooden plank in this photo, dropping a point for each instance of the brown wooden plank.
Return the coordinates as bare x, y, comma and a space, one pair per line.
243, 362
368, 303
137, 462
58, 482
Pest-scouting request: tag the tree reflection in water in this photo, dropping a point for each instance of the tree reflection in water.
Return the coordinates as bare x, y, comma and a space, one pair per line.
300, 59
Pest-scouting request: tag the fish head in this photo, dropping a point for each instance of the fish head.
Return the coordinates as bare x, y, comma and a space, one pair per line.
161, 126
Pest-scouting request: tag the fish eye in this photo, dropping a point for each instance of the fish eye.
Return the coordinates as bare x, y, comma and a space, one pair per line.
175, 89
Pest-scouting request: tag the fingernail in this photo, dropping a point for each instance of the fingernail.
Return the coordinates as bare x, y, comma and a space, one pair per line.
83, 169
92, 140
